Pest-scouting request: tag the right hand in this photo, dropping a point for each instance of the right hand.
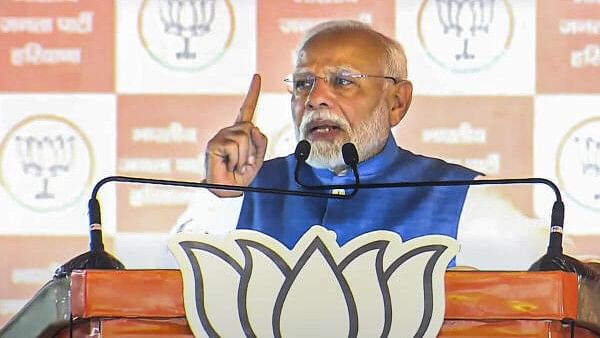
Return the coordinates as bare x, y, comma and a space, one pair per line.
236, 153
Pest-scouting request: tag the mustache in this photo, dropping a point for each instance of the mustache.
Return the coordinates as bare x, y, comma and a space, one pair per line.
315, 115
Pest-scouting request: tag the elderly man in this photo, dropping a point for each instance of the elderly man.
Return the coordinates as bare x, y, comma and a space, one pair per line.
349, 85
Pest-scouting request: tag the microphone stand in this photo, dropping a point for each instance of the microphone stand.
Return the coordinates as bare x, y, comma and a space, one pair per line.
98, 258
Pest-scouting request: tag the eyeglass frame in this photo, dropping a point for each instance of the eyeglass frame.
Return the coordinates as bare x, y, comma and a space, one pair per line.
348, 74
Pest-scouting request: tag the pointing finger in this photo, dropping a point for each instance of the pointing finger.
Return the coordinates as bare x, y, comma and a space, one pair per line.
247, 110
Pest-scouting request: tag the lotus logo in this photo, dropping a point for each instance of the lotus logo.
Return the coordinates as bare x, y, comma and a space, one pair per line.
465, 35
186, 35
250, 285
46, 163
578, 163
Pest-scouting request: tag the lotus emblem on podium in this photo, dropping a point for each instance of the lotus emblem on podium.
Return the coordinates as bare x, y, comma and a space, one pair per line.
250, 285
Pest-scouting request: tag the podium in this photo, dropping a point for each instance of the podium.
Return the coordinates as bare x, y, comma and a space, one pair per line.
149, 303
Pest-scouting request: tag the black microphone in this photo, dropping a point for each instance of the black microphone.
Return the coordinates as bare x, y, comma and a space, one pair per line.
302, 151
349, 154
98, 258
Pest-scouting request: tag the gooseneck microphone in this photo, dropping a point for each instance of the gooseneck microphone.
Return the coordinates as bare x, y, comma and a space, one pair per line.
98, 258
554, 259
349, 154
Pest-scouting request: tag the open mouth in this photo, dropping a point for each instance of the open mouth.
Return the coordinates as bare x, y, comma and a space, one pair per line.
323, 130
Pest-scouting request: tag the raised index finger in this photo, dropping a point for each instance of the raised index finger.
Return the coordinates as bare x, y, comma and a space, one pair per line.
247, 110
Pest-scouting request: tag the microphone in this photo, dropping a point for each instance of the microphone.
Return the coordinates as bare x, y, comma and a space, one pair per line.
349, 154
98, 258
302, 151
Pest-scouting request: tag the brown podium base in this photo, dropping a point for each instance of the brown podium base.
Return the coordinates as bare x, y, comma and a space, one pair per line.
149, 303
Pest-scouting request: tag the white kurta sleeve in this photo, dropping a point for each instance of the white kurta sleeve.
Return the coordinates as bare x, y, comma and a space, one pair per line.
207, 213
494, 235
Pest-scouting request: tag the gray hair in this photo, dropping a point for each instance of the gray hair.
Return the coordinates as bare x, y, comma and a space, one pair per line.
394, 58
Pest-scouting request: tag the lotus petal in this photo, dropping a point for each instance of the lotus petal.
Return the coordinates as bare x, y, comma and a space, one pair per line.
315, 298
211, 276
264, 274
363, 269
423, 262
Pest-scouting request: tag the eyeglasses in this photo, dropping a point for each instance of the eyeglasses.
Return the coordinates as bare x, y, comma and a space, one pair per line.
341, 81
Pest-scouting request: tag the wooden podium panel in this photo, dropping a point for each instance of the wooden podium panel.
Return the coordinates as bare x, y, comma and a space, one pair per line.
148, 303
469, 294
127, 293
511, 328
511, 295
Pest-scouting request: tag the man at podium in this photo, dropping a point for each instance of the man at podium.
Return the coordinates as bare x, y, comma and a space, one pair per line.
350, 85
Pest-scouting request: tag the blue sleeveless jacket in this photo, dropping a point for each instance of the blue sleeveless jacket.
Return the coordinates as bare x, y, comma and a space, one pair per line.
410, 212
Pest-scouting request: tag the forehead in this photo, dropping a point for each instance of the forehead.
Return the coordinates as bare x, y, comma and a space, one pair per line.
359, 50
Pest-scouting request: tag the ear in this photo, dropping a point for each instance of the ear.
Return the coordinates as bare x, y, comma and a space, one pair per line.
399, 98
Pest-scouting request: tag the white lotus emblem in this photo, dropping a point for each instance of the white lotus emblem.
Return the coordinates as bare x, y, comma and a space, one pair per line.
250, 285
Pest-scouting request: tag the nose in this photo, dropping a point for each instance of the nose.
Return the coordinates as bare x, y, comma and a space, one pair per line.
321, 95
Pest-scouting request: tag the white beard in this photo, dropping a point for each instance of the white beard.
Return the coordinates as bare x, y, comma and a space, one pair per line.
368, 136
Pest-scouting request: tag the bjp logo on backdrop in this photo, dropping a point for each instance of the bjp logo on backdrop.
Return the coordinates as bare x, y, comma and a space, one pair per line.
46, 163
465, 35
250, 285
578, 163
187, 35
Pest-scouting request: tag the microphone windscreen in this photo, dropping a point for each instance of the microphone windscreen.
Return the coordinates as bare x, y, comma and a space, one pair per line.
302, 151
94, 211
350, 154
